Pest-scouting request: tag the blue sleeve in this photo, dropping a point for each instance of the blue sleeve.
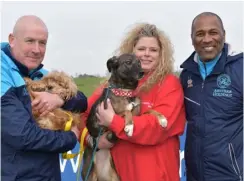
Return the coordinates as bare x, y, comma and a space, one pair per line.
77, 103
20, 130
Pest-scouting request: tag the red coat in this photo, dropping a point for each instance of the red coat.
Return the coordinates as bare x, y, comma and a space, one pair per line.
152, 153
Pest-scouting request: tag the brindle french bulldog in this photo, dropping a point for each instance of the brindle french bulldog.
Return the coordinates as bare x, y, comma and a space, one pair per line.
125, 73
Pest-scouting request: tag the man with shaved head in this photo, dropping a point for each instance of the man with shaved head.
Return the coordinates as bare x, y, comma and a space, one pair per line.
28, 41
29, 153
212, 79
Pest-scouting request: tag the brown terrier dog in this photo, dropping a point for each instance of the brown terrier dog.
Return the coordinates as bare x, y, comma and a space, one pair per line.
56, 83
125, 72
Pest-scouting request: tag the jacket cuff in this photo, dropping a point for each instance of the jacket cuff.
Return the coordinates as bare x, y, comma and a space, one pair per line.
77, 103
117, 125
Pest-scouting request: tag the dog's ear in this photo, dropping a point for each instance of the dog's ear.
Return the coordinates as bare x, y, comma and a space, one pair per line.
112, 63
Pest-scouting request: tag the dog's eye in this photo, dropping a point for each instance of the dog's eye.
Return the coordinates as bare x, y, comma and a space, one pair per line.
49, 87
128, 62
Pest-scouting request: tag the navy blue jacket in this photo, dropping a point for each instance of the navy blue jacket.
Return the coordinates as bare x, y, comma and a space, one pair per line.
29, 153
214, 112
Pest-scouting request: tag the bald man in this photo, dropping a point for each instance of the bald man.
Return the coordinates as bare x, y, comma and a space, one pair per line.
29, 153
212, 80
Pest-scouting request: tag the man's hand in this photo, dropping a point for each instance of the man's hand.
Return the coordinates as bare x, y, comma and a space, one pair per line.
103, 143
45, 102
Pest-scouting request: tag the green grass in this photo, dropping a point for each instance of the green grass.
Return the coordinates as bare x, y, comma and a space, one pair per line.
88, 84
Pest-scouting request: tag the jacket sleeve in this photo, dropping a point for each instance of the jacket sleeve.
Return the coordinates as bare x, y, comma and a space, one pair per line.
147, 130
20, 131
91, 100
77, 103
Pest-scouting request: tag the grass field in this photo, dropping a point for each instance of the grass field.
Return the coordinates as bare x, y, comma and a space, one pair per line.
88, 84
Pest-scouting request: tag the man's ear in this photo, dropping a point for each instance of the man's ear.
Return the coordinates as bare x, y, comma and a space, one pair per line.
224, 35
112, 63
11, 40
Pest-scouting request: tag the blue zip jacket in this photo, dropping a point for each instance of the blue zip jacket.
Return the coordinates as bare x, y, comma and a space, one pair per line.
214, 112
29, 153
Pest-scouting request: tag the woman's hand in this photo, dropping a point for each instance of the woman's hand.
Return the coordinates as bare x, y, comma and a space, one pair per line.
105, 116
103, 142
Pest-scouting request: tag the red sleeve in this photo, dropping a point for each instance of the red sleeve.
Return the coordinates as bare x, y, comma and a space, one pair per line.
91, 100
147, 130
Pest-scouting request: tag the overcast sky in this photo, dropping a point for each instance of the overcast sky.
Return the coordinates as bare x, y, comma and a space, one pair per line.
83, 35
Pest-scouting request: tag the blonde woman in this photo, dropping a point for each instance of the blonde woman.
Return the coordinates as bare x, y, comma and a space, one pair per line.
152, 152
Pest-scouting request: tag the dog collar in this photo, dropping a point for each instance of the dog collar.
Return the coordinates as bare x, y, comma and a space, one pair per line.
123, 92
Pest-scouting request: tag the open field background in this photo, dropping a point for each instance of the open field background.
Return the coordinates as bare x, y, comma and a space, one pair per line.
88, 83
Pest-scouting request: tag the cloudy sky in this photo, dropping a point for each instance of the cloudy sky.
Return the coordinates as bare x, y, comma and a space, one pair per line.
83, 35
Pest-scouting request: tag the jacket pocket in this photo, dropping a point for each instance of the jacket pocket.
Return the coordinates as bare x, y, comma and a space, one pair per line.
234, 163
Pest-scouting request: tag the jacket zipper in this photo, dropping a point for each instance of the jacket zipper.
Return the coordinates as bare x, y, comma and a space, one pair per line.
206, 74
201, 135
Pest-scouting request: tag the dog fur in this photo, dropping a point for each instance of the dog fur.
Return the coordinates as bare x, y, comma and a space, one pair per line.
57, 83
125, 72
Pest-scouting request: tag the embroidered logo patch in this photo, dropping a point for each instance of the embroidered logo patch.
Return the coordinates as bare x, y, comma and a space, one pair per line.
189, 82
223, 82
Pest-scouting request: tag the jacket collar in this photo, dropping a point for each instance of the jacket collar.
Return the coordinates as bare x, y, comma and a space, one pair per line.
191, 63
20, 67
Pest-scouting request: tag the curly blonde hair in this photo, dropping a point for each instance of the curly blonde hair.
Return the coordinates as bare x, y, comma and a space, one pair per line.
165, 63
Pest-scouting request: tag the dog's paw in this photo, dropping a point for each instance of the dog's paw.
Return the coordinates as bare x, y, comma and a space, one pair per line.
163, 122
129, 107
129, 129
